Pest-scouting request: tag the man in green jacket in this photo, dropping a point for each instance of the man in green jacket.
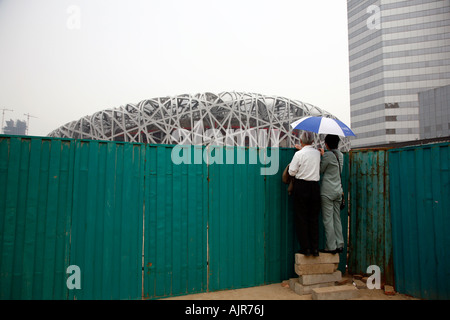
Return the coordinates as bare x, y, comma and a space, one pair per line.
331, 194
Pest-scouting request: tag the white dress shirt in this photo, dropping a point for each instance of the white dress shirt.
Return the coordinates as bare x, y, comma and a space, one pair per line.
305, 164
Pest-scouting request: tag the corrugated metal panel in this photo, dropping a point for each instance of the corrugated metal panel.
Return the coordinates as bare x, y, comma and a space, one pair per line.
420, 202
107, 217
175, 243
236, 222
279, 233
370, 222
35, 202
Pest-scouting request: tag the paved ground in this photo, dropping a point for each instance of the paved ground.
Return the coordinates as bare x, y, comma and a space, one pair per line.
281, 291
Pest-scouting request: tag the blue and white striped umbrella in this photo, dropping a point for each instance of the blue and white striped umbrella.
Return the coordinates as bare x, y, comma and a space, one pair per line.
323, 125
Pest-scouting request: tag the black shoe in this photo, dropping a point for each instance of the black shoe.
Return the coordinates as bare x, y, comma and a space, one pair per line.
305, 252
315, 253
339, 250
329, 251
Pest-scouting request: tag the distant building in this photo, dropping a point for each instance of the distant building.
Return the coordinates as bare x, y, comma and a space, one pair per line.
18, 127
434, 113
396, 50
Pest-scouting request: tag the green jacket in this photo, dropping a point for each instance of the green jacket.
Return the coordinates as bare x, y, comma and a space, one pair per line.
330, 182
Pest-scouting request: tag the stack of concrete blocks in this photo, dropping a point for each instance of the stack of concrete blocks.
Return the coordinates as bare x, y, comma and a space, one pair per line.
318, 276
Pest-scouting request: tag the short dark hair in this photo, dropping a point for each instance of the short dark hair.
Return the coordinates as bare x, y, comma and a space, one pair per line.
332, 141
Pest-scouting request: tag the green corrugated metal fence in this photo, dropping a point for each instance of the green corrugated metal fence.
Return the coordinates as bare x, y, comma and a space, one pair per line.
136, 224
420, 202
107, 215
175, 219
235, 223
400, 217
280, 238
35, 204
370, 221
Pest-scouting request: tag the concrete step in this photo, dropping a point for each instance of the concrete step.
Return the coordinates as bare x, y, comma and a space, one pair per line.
301, 289
309, 279
322, 258
323, 268
335, 293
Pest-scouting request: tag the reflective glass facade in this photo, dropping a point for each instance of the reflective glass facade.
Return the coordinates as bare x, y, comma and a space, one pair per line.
396, 50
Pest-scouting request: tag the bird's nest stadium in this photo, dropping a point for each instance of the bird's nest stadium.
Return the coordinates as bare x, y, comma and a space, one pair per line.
231, 118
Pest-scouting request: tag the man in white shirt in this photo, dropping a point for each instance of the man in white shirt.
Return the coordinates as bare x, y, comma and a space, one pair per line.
305, 167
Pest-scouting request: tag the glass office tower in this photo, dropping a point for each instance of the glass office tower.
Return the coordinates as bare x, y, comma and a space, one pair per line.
396, 50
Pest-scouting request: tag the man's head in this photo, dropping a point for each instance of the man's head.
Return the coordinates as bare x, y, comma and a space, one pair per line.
332, 141
307, 138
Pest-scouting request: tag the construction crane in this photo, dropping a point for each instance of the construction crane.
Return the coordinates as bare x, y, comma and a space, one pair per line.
28, 121
3, 117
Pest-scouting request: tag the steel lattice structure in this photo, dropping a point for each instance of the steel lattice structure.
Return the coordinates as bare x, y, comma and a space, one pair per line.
155, 120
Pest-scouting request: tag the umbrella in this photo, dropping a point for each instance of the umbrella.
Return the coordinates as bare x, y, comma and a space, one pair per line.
323, 125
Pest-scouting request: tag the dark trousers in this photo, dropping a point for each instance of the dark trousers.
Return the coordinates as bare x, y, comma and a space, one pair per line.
307, 208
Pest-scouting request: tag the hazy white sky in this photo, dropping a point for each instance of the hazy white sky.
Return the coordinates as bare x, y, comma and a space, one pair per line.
61, 60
